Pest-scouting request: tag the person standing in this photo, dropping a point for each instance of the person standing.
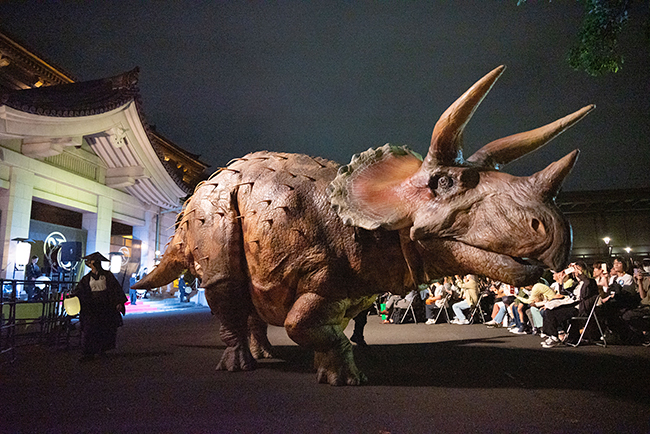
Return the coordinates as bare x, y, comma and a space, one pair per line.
181, 289
102, 304
32, 272
133, 293
360, 322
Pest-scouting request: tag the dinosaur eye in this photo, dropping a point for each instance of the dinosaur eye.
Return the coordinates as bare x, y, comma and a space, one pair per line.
440, 182
444, 182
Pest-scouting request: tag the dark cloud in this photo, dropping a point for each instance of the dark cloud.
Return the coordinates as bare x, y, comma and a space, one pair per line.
225, 78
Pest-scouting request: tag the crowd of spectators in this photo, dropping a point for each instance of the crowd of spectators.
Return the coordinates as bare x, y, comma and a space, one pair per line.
617, 291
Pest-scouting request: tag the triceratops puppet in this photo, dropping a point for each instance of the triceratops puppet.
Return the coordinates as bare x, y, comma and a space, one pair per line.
301, 242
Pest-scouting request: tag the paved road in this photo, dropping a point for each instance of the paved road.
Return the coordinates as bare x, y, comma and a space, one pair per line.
423, 379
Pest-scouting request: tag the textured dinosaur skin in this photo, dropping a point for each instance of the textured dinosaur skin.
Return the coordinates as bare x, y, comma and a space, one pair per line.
262, 233
300, 242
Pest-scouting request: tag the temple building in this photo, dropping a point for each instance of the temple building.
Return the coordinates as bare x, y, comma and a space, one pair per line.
81, 170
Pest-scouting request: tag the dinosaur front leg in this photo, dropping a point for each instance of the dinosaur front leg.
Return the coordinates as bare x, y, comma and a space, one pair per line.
316, 322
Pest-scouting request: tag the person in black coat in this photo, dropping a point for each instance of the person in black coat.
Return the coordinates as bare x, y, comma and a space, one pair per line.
32, 272
102, 306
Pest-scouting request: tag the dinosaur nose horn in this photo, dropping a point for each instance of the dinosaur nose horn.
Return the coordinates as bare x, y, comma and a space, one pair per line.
547, 182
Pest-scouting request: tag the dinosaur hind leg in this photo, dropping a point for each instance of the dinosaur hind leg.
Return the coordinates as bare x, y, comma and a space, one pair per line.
214, 237
259, 343
232, 308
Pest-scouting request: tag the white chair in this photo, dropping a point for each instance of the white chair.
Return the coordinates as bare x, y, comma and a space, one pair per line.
478, 309
445, 306
409, 308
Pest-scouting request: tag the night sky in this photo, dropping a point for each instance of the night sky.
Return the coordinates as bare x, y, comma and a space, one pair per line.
222, 79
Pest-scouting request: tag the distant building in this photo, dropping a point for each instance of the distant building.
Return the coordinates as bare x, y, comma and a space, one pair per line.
80, 165
621, 216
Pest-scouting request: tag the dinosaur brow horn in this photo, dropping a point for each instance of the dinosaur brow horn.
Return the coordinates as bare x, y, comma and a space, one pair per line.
503, 151
446, 137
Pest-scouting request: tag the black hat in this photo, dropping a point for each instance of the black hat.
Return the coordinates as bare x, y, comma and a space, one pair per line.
95, 257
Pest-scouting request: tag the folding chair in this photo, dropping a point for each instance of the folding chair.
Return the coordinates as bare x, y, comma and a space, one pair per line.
479, 309
410, 309
587, 319
444, 308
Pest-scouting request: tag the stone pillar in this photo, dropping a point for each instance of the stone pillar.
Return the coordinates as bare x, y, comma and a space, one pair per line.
16, 205
147, 234
99, 227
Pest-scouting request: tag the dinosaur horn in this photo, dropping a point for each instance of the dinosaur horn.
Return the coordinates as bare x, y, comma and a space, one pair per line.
503, 151
446, 138
547, 182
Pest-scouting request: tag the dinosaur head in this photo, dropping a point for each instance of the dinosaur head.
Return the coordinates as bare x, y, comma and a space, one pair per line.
465, 216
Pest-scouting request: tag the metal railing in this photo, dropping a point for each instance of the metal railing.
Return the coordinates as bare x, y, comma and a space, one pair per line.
39, 320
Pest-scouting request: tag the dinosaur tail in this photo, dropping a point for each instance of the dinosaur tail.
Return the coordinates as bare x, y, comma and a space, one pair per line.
172, 264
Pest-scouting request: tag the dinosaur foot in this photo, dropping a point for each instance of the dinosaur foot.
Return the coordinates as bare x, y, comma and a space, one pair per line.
237, 358
337, 370
261, 351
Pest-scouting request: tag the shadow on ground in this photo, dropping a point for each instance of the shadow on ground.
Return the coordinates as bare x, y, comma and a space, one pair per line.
459, 364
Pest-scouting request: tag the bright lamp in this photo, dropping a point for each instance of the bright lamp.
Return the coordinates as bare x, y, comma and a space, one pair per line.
23, 252
116, 264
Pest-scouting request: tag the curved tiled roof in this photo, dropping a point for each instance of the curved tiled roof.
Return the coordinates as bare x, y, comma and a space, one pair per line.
90, 98
76, 99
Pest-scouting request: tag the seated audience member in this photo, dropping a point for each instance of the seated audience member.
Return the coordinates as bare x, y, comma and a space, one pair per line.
538, 297
396, 306
505, 295
449, 284
623, 285
580, 304
636, 320
563, 283
623, 298
537, 293
643, 282
601, 276
469, 291
435, 301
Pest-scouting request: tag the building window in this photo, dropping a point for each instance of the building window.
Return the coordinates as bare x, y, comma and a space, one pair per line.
121, 229
55, 215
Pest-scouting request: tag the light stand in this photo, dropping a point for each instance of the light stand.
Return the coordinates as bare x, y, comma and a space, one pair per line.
23, 252
609, 247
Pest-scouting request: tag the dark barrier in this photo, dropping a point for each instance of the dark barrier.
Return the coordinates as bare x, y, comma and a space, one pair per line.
33, 313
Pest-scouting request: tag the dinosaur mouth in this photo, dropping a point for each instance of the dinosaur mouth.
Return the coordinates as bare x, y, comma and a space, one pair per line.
455, 257
529, 261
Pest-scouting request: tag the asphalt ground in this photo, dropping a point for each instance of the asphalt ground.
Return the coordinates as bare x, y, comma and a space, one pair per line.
439, 378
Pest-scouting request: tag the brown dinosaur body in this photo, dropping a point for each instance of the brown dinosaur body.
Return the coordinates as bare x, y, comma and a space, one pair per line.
296, 241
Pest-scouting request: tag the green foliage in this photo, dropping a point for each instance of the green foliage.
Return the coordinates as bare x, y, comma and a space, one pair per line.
597, 50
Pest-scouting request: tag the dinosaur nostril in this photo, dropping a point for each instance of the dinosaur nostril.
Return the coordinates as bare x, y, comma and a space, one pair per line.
538, 226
